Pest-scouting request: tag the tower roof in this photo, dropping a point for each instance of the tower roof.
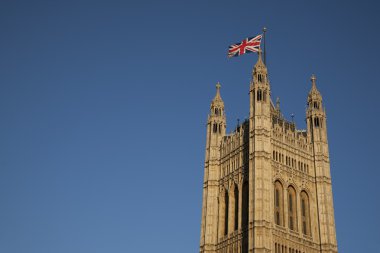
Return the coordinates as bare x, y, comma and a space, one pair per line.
217, 101
259, 64
314, 93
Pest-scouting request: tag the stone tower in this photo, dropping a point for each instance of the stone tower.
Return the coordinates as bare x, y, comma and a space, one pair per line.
267, 185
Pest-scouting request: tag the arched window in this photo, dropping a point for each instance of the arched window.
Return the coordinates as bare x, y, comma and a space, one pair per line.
244, 208
305, 213
214, 127
226, 199
216, 111
278, 203
292, 208
259, 95
316, 122
236, 214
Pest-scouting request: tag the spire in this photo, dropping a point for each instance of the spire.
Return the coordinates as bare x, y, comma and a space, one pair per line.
217, 96
217, 118
260, 72
314, 93
217, 101
259, 64
314, 99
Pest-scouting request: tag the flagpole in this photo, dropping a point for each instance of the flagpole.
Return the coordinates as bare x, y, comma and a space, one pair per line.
265, 54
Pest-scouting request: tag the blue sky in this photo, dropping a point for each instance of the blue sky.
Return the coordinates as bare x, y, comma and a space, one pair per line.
103, 106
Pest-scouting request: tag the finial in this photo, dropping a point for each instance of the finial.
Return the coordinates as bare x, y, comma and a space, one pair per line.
313, 79
217, 96
313, 91
292, 115
259, 59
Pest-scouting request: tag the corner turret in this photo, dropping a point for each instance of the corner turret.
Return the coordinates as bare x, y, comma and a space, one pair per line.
315, 114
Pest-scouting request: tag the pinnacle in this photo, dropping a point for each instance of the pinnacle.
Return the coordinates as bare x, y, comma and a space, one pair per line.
260, 66
217, 96
313, 81
314, 91
260, 59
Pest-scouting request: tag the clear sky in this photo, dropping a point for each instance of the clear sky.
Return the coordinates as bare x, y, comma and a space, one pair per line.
103, 106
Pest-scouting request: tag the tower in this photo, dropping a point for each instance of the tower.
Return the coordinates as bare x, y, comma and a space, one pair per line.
260, 176
216, 129
316, 125
267, 185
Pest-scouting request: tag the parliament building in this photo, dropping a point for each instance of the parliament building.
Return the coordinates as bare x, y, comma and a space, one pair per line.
267, 185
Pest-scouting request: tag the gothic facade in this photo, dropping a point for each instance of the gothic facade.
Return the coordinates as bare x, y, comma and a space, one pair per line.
267, 185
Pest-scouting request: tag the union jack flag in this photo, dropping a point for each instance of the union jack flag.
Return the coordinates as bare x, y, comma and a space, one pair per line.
249, 45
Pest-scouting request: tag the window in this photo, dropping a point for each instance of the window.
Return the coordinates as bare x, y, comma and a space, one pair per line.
245, 205
259, 95
278, 203
316, 122
215, 128
292, 208
226, 199
305, 213
236, 195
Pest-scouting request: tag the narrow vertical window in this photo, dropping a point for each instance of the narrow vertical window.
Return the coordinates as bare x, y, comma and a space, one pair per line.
316, 122
305, 213
292, 210
278, 199
259, 78
259, 95
236, 195
215, 128
226, 213
244, 208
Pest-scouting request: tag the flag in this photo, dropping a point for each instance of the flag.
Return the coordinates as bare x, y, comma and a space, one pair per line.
248, 45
